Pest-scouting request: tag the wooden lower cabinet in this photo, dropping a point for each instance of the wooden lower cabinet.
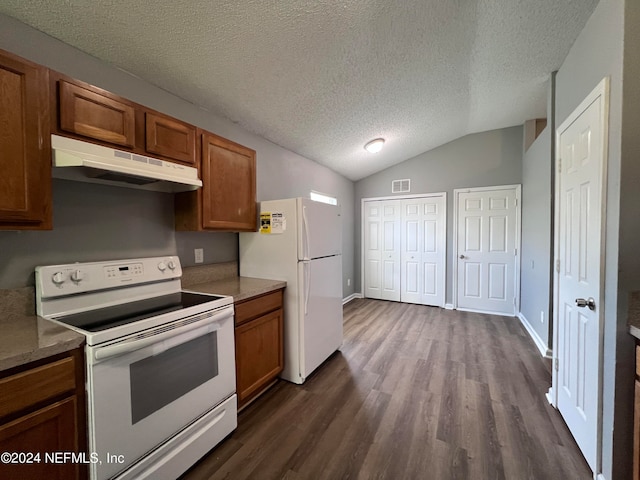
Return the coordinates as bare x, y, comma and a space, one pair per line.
42, 424
37, 437
259, 344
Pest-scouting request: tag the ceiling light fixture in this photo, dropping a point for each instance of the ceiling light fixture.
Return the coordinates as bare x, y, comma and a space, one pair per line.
374, 146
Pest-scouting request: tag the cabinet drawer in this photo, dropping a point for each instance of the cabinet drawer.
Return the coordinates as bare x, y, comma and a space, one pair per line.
36, 385
170, 138
90, 114
255, 307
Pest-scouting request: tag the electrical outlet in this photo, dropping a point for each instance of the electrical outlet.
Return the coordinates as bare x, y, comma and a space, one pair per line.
348, 282
199, 254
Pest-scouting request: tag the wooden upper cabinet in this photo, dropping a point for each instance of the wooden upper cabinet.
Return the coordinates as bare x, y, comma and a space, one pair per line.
25, 145
227, 199
170, 138
96, 115
229, 190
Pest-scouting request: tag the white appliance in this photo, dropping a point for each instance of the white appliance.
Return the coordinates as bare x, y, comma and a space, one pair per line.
160, 363
88, 162
300, 242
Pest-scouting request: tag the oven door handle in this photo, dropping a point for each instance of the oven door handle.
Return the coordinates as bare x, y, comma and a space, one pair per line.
186, 333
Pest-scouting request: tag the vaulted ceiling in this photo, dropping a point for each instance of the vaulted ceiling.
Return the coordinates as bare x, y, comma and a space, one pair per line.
321, 78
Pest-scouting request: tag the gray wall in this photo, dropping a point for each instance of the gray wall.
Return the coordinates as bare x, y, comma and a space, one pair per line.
478, 160
536, 280
536, 236
596, 53
100, 223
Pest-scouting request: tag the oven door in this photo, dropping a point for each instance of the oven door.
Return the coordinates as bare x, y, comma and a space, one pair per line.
147, 387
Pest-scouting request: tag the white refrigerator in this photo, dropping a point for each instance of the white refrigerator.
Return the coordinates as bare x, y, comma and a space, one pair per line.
300, 242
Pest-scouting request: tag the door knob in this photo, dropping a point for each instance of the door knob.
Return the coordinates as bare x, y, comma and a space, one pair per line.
589, 302
462, 257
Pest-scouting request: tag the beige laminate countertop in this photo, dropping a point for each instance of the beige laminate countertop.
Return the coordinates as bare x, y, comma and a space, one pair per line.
26, 337
240, 288
634, 315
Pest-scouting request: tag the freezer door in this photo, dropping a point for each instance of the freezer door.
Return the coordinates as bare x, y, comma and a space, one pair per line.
320, 311
319, 229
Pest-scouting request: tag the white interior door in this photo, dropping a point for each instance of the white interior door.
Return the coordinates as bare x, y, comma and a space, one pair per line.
382, 249
423, 256
579, 271
486, 249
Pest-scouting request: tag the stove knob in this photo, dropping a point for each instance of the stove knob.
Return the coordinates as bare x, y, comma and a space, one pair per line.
77, 276
58, 278
162, 266
172, 265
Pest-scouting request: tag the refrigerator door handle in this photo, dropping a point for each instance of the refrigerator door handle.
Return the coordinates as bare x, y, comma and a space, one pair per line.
305, 222
307, 281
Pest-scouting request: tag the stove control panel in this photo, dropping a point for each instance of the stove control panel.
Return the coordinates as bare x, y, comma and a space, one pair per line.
125, 271
61, 280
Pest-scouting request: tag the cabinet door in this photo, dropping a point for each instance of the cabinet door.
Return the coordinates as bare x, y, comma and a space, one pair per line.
229, 185
170, 138
46, 431
25, 145
94, 115
259, 354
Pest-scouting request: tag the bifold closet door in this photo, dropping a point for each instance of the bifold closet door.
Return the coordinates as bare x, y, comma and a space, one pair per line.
405, 248
382, 249
423, 255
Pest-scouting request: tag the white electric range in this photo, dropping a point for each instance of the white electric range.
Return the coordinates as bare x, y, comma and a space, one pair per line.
160, 362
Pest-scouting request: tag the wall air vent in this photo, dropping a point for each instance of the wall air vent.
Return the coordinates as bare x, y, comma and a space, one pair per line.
401, 186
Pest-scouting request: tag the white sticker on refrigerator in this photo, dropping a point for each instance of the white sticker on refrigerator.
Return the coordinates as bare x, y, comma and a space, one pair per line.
278, 222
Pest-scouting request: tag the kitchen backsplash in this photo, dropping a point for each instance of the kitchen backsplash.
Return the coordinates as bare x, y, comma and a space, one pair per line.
208, 273
17, 301
99, 222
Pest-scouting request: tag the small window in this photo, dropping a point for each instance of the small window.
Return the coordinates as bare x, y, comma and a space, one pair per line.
321, 197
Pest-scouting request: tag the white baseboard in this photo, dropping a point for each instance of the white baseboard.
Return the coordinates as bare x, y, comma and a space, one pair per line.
544, 350
549, 396
485, 312
448, 306
353, 296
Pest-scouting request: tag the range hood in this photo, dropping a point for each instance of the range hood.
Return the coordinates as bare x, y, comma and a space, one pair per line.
87, 162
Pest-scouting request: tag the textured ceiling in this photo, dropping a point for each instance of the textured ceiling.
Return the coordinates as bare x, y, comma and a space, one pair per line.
321, 78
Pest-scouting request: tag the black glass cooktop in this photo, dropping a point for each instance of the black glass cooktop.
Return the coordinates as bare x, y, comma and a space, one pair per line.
109, 317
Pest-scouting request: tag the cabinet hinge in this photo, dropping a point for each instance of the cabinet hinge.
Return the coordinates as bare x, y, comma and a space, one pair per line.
558, 266
559, 165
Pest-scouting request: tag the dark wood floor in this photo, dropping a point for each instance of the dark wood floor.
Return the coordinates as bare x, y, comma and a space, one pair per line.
415, 393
